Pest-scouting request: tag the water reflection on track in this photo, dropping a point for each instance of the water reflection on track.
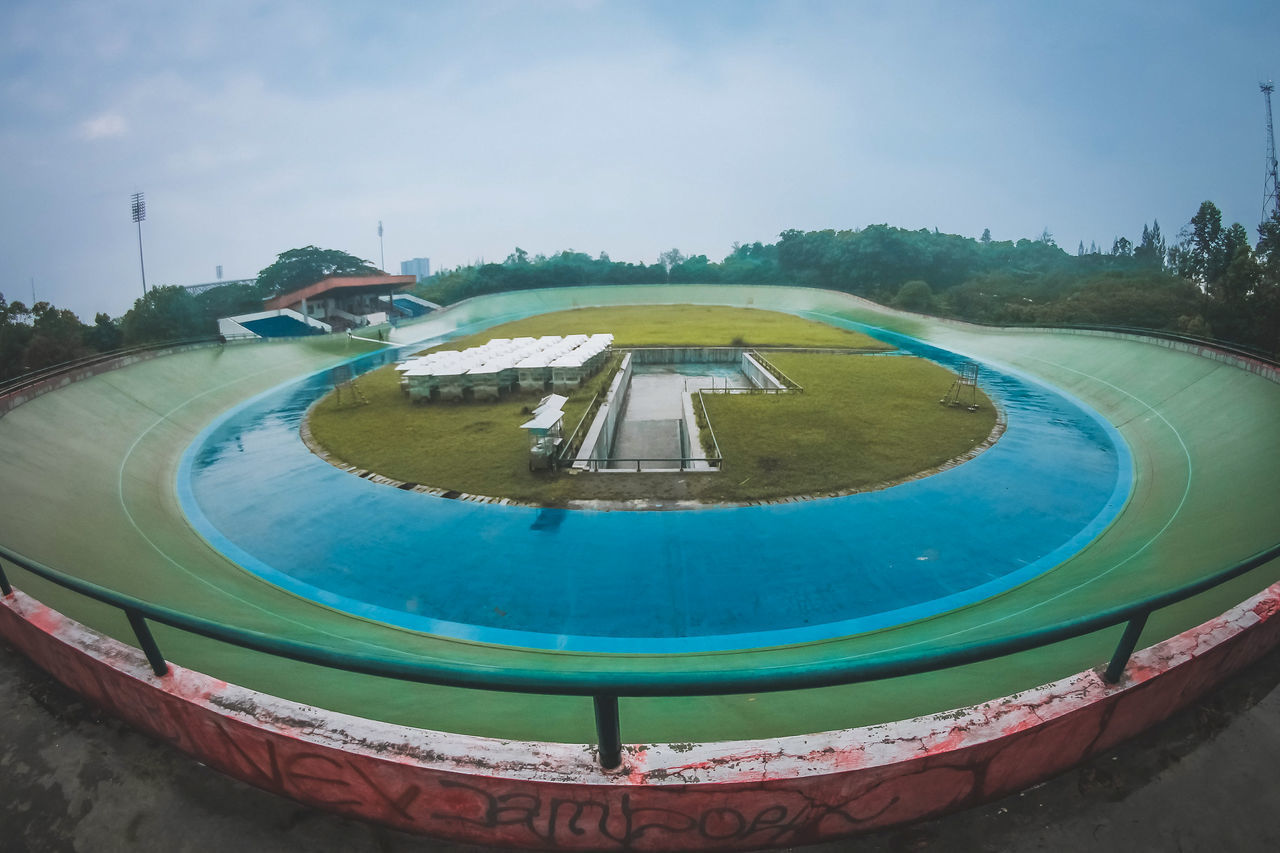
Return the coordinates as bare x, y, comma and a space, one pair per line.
675, 581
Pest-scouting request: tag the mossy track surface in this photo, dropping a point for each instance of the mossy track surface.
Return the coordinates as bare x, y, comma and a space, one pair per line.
89, 475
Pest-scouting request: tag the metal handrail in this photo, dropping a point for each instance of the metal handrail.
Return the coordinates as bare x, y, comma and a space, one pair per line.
685, 462
606, 686
569, 451
791, 384
35, 377
1229, 347
706, 417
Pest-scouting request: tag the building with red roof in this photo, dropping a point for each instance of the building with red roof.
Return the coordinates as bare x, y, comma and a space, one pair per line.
344, 301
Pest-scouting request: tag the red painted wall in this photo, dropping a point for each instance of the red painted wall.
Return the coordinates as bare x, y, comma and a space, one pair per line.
454, 787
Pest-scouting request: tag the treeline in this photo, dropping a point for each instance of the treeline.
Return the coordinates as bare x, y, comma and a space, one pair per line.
39, 336
1210, 283
44, 336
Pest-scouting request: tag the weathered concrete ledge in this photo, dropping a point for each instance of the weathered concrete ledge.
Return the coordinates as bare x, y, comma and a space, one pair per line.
712, 796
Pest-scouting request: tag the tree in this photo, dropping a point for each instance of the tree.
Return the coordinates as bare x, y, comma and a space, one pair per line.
697, 269
298, 268
986, 236
15, 333
671, 258
166, 313
915, 295
1122, 248
57, 336
1152, 250
1200, 255
104, 335
1267, 295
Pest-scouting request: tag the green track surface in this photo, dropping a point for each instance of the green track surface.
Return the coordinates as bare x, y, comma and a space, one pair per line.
89, 471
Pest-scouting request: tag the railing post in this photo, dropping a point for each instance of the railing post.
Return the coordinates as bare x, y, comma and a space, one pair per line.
608, 730
1128, 641
147, 642
5, 589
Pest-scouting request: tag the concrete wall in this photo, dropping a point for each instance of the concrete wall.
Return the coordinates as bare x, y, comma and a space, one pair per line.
14, 399
737, 795
598, 443
685, 355
758, 376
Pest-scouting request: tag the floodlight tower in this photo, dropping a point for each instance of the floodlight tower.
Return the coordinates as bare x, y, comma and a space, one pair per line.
139, 208
1270, 190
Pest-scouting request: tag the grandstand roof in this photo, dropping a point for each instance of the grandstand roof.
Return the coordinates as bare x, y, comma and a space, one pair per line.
342, 285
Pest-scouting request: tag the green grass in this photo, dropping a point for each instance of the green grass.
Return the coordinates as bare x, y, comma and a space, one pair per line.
862, 421
680, 325
473, 447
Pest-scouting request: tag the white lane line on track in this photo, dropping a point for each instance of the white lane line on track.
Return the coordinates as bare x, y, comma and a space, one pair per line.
176, 564
1177, 510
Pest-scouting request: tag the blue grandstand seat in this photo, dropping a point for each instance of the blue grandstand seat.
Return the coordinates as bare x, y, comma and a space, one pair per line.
279, 327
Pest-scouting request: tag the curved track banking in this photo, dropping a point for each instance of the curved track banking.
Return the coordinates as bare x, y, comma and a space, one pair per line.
89, 473
671, 582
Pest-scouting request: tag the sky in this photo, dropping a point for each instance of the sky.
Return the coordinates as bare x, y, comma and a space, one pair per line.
471, 128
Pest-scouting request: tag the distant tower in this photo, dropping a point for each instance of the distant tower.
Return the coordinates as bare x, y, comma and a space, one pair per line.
1270, 190
382, 256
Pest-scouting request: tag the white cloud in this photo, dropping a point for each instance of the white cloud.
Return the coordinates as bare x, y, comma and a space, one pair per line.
104, 126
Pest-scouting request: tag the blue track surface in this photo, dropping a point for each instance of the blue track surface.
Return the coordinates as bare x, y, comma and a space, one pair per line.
676, 581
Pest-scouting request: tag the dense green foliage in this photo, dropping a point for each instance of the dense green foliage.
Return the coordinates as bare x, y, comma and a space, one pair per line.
1211, 283
299, 267
44, 336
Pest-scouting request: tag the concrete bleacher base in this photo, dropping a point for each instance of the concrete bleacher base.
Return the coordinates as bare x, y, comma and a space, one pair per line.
711, 796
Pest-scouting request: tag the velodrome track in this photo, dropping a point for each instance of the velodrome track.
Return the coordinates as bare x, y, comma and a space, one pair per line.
89, 474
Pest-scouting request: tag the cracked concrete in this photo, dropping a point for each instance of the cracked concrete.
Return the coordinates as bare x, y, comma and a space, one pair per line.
73, 778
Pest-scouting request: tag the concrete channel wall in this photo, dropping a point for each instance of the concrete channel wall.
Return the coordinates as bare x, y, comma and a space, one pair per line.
758, 375
598, 443
685, 355
601, 437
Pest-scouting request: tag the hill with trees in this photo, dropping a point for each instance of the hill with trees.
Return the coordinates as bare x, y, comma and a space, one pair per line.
1212, 282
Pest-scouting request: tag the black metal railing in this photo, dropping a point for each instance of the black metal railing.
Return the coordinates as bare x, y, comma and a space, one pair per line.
35, 377
660, 463
606, 687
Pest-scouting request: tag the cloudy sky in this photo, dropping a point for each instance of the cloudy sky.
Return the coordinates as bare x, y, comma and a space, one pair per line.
471, 128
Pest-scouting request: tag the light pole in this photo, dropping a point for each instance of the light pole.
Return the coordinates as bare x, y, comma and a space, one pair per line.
139, 208
382, 256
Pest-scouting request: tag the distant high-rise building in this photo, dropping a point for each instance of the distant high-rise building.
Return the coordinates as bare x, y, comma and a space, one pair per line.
420, 267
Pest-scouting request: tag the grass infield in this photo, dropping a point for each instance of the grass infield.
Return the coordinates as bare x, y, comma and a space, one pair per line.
862, 422
681, 325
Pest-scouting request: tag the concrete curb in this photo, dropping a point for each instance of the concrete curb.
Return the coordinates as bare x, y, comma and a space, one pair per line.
712, 796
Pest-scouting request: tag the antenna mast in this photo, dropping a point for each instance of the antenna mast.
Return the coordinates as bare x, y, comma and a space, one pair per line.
1270, 190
